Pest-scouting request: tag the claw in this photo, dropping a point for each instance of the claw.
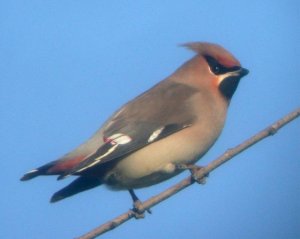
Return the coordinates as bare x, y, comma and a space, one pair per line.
195, 171
138, 210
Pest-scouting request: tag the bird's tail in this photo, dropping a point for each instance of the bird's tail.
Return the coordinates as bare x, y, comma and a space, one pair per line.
57, 167
37, 172
78, 185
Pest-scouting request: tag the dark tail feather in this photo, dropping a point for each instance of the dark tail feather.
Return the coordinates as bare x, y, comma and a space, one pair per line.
37, 171
31, 174
77, 186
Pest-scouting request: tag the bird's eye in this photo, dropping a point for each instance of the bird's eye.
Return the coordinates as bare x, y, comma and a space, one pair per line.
216, 69
214, 66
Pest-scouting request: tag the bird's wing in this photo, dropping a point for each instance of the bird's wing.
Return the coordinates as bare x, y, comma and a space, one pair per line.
150, 117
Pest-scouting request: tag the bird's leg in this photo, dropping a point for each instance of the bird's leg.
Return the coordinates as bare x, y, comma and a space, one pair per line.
195, 170
137, 206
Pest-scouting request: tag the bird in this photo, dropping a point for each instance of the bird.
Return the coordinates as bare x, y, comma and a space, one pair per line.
158, 134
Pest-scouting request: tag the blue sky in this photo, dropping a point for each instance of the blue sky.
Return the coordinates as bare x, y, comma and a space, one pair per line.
65, 66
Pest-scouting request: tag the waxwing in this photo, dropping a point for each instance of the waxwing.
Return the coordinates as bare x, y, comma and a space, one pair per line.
150, 138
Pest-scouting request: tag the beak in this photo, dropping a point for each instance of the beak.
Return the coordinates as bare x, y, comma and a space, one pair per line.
242, 72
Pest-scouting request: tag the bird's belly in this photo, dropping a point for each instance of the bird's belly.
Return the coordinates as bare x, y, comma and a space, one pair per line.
157, 162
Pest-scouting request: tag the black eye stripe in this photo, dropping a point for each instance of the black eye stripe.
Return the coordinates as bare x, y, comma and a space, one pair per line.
217, 68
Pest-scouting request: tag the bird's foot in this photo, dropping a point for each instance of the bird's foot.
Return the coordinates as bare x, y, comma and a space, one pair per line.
138, 210
197, 172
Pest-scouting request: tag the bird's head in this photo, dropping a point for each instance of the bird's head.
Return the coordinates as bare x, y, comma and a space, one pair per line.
217, 67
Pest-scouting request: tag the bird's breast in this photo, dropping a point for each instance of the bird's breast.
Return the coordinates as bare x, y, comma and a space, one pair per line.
157, 161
